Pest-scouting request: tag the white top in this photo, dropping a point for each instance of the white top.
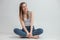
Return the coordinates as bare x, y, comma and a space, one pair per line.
27, 21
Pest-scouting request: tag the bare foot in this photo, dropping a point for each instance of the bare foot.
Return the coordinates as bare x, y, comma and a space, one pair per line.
36, 37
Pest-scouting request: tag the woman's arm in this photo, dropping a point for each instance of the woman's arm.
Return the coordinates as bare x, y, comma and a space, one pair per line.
31, 21
23, 25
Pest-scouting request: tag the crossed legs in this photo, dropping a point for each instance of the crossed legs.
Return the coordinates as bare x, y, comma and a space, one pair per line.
22, 33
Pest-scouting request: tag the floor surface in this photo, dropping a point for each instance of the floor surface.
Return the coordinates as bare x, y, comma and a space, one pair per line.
15, 37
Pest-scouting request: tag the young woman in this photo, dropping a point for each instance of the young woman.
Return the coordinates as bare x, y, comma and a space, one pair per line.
26, 20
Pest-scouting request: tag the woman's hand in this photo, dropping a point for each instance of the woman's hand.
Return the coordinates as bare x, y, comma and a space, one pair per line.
30, 35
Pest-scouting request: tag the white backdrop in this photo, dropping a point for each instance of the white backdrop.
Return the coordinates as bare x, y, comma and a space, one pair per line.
46, 16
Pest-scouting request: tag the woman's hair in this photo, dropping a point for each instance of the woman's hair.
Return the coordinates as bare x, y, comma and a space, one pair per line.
21, 13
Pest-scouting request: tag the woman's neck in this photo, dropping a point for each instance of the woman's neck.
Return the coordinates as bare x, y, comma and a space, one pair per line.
25, 14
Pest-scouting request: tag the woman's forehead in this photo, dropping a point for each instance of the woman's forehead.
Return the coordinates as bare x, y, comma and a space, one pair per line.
24, 5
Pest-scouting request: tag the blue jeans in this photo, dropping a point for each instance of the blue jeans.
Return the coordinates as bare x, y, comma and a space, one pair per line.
21, 32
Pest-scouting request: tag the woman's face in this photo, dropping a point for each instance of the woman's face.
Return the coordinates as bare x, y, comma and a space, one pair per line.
24, 7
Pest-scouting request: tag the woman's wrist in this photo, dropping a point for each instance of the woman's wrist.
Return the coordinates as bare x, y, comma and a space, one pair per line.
30, 30
27, 32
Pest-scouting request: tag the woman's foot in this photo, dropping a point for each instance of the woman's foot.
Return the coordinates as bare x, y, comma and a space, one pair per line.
36, 37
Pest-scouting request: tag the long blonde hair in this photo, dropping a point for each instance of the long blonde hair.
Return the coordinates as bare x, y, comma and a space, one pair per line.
21, 13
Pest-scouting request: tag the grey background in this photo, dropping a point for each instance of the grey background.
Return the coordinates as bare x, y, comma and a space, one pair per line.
46, 16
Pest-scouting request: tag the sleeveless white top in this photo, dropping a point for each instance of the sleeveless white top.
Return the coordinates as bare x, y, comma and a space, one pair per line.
27, 21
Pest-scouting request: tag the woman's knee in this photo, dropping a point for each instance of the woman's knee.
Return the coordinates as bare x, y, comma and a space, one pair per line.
40, 30
19, 32
15, 30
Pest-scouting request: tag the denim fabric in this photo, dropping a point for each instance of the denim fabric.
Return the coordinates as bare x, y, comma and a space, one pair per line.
22, 33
